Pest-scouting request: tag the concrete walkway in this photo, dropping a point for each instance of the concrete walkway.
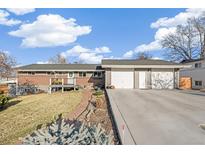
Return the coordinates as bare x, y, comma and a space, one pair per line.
159, 116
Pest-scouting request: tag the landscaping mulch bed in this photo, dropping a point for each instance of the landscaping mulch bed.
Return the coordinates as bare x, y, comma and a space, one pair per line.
100, 115
86, 96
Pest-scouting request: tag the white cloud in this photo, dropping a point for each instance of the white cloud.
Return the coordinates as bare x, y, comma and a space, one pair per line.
85, 55
128, 54
152, 46
155, 45
162, 32
5, 51
102, 50
180, 18
49, 31
21, 11
4, 19
42, 62
157, 58
164, 27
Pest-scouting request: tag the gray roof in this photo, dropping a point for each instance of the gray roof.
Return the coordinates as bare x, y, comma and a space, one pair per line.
41, 67
136, 62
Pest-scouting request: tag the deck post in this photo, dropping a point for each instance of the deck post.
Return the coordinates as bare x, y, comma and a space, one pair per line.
62, 85
74, 83
50, 86
17, 86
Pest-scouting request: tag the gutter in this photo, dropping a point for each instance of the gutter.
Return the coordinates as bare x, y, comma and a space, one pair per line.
65, 70
146, 66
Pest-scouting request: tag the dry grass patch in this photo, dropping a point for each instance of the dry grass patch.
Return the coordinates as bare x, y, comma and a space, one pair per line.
27, 112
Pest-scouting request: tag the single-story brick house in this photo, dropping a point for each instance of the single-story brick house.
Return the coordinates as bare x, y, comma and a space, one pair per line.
53, 75
139, 74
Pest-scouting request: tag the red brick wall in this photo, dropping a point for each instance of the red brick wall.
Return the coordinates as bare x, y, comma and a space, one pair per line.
37, 79
45, 79
89, 81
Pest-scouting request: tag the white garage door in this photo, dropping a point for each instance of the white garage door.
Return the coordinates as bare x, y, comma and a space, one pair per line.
122, 79
162, 80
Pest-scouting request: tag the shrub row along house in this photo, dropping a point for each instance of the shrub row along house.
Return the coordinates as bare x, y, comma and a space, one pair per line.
139, 74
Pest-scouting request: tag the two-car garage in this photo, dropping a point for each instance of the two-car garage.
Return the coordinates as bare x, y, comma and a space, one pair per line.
141, 74
155, 79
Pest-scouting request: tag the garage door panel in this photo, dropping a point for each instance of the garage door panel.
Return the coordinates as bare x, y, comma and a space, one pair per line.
122, 79
162, 80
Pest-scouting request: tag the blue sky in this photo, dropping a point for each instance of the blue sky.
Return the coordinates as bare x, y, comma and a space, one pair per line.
91, 34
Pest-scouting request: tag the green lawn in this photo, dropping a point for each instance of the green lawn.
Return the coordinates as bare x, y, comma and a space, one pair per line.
27, 112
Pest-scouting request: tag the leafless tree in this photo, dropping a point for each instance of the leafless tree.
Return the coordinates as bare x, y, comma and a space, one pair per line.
199, 25
181, 45
7, 63
58, 59
143, 55
188, 42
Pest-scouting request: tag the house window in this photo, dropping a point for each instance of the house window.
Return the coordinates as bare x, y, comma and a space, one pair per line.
97, 74
82, 74
197, 65
31, 73
22, 73
50, 73
198, 83
41, 73
70, 74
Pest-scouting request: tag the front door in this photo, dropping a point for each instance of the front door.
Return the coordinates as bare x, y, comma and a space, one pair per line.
142, 82
71, 78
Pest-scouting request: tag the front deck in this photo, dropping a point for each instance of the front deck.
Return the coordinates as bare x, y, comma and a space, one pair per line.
62, 83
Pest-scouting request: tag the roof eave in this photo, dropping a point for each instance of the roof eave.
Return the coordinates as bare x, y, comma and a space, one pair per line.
146, 66
56, 70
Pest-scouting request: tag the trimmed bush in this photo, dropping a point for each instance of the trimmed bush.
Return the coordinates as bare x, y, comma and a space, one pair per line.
3, 101
57, 82
98, 93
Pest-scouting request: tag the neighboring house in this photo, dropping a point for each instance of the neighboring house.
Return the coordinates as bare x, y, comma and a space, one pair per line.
142, 74
139, 74
196, 73
47, 76
7, 83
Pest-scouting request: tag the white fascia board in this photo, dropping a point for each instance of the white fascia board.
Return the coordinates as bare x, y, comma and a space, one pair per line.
146, 66
60, 70
6, 82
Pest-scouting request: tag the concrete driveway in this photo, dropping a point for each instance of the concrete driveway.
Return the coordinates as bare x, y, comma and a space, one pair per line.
159, 116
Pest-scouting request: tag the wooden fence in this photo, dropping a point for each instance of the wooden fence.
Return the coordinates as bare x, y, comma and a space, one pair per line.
185, 83
4, 88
